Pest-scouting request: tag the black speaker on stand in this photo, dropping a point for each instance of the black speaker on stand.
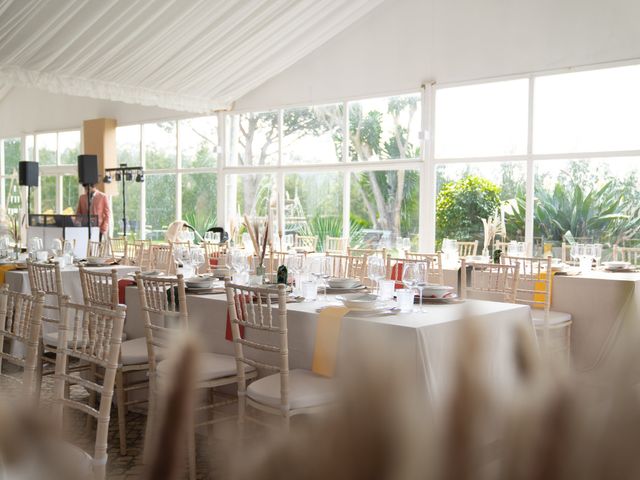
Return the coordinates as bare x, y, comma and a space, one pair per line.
88, 175
28, 176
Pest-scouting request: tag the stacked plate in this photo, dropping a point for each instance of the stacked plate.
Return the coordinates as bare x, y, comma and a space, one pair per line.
342, 285
439, 294
619, 267
199, 283
366, 304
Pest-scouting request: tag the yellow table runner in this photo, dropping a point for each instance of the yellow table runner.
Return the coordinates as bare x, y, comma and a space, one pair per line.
325, 352
4, 269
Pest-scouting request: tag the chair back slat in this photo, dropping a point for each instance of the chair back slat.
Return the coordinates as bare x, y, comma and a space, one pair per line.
307, 242
348, 266
626, 254
534, 280
466, 249
47, 278
97, 249
337, 245
118, 247
99, 289
97, 337
21, 321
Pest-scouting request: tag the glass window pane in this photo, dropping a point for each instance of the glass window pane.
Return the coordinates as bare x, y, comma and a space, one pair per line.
70, 194
47, 145
161, 204
128, 145
199, 142
12, 147
482, 120
253, 193
134, 190
48, 194
313, 204
384, 206
469, 192
597, 200
254, 139
597, 110
313, 134
160, 145
199, 195
69, 147
385, 128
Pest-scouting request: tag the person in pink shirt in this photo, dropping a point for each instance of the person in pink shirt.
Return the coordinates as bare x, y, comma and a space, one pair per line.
99, 207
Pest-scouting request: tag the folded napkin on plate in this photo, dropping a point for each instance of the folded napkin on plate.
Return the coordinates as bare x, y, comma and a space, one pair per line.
325, 352
4, 269
123, 283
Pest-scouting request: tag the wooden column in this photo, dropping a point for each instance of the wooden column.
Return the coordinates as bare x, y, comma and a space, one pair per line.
99, 138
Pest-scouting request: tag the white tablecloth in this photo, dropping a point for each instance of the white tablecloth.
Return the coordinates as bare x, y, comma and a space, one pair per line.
18, 280
600, 303
423, 342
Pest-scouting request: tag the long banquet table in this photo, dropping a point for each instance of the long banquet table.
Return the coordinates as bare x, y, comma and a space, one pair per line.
18, 280
426, 342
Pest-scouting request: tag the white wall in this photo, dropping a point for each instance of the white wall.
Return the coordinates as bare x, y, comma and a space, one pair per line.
26, 110
404, 43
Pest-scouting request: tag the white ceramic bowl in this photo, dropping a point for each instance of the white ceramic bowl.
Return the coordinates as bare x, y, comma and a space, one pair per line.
343, 283
437, 291
359, 301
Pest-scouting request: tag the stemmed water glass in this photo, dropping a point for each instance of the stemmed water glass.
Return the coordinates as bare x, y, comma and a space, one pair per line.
414, 276
67, 250
376, 270
197, 258
56, 246
320, 268
295, 264
239, 262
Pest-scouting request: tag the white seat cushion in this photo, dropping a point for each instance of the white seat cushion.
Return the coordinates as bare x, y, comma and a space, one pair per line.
555, 318
211, 366
306, 389
134, 351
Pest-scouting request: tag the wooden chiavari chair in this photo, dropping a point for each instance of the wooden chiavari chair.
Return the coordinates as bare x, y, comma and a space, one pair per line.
47, 278
20, 321
212, 252
307, 242
344, 266
626, 254
489, 281
435, 272
118, 247
336, 245
535, 278
161, 258
97, 249
100, 289
285, 392
466, 249
164, 307
91, 335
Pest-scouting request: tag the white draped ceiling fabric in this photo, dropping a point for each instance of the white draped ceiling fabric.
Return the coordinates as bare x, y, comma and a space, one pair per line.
191, 55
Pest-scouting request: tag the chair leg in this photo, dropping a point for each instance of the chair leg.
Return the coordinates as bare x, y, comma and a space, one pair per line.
212, 414
151, 418
122, 411
191, 449
92, 396
39, 368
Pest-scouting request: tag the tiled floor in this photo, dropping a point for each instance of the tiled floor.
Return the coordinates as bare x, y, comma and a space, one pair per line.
212, 450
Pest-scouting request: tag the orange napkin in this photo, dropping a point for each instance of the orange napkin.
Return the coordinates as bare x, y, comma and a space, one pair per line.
4, 269
540, 287
325, 352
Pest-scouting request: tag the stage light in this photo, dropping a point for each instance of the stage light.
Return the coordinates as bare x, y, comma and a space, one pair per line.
128, 176
118, 176
107, 178
140, 177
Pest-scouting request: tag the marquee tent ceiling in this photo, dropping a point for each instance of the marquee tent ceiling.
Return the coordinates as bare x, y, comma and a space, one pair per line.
190, 55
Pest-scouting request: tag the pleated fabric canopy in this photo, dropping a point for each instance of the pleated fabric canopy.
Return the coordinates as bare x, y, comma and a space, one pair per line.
190, 55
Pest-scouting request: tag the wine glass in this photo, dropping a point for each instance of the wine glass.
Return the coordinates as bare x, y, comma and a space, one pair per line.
197, 258
376, 270
598, 253
239, 262
67, 250
56, 246
320, 268
410, 276
295, 264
